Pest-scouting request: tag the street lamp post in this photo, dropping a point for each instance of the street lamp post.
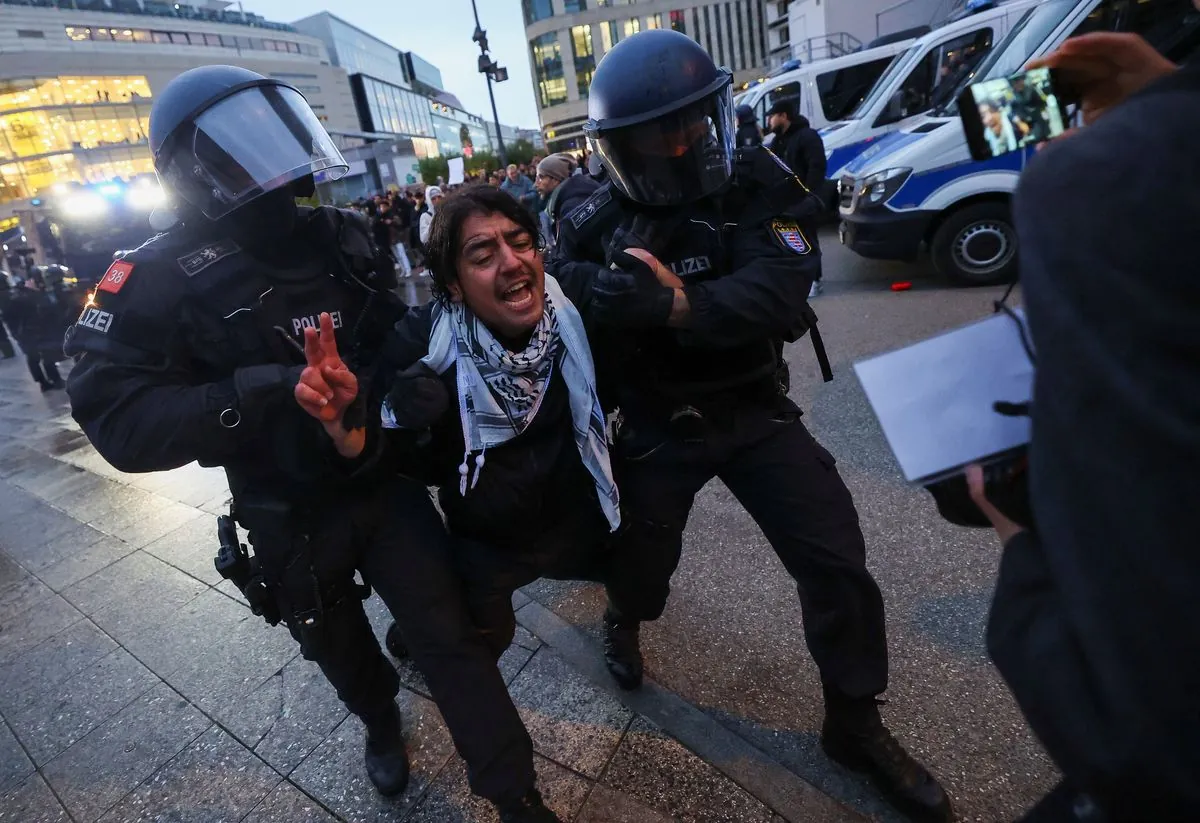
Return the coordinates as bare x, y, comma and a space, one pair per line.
495, 73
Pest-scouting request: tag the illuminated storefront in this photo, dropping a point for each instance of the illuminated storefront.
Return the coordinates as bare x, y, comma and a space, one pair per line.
71, 129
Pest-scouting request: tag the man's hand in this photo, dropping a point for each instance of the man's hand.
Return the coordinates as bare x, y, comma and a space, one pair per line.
1105, 68
1005, 528
327, 387
664, 275
632, 293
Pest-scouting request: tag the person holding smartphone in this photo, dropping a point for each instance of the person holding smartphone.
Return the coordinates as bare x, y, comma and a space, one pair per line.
1094, 624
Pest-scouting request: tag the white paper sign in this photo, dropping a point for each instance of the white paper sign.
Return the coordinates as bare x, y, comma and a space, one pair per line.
456, 170
935, 399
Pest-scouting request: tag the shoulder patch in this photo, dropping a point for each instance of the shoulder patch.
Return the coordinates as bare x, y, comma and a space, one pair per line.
789, 235
589, 207
197, 261
115, 278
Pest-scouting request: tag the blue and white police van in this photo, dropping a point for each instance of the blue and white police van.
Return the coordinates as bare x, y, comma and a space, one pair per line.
923, 77
918, 187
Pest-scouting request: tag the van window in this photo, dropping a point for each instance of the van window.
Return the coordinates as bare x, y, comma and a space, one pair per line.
842, 90
1171, 26
940, 72
787, 91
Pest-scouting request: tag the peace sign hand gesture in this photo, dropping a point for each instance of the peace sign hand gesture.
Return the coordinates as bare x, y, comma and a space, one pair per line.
327, 387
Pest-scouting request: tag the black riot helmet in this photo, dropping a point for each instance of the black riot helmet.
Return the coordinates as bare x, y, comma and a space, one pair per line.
223, 136
660, 118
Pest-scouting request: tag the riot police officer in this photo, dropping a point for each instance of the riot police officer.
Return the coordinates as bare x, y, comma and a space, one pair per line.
702, 258
6, 346
192, 349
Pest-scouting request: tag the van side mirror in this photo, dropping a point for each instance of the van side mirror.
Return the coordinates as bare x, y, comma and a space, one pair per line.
893, 111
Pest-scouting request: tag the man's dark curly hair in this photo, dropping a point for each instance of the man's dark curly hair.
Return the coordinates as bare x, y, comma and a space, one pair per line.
445, 233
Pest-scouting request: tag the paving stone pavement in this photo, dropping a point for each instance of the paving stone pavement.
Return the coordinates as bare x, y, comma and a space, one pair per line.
135, 685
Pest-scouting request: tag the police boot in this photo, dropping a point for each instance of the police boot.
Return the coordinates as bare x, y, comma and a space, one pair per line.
855, 737
622, 651
395, 642
386, 758
529, 809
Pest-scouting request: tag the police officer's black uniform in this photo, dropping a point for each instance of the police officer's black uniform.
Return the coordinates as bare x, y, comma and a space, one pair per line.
6, 346
191, 351
699, 386
37, 317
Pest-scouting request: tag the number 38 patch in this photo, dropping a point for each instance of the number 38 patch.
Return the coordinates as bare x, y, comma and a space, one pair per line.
788, 233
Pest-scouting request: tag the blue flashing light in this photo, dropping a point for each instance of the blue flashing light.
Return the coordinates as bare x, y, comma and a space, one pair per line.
37, 201
110, 190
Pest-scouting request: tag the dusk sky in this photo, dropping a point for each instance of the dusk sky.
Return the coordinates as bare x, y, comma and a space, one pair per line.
440, 31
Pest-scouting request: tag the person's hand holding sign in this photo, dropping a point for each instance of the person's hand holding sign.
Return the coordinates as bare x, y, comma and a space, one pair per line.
327, 387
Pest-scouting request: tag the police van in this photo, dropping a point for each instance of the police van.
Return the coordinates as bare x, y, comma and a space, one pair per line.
824, 90
918, 187
924, 76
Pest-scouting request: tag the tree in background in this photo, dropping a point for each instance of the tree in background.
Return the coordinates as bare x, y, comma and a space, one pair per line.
520, 151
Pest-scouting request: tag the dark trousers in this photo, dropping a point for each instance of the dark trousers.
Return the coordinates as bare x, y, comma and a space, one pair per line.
310, 559
409, 563
572, 548
789, 485
42, 365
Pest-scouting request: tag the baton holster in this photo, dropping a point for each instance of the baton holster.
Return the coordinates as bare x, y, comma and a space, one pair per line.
282, 549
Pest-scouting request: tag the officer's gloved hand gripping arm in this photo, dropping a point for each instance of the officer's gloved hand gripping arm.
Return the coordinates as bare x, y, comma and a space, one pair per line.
136, 395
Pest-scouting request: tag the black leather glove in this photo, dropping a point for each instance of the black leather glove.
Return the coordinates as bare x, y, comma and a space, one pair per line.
630, 295
418, 397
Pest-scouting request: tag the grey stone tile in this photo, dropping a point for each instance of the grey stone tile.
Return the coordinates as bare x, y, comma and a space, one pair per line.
570, 720
214, 779
84, 562
102, 498
106, 765
65, 544
60, 442
450, 800
32, 802
287, 804
46, 665
30, 627
26, 467
217, 504
139, 516
42, 538
525, 639
190, 548
656, 770
51, 475
219, 652
15, 765
75, 487
11, 572
136, 593
288, 716
23, 595
335, 775
58, 717
513, 661
607, 806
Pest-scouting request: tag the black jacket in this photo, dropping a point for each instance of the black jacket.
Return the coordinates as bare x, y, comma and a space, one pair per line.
528, 484
38, 318
1095, 624
746, 260
803, 150
190, 326
748, 135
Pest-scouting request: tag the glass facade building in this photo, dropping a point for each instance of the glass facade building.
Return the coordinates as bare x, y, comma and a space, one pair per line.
71, 129
548, 69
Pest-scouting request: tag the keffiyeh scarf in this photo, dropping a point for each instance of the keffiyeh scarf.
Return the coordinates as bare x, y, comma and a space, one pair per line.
500, 392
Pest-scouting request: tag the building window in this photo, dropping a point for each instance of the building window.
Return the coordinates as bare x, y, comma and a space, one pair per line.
708, 33
548, 69
677, 22
574, 5
33, 34
654, 21
537, 10
632, 27
179, 38
731, 49
78, 33
160, 37
585, 57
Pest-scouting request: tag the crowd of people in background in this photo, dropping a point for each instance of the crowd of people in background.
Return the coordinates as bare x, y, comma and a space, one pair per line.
550, 187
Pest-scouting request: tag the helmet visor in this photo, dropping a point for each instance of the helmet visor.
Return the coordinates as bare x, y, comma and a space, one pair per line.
255, 141
676, 158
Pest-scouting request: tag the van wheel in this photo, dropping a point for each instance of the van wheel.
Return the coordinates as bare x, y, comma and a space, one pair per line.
976, 246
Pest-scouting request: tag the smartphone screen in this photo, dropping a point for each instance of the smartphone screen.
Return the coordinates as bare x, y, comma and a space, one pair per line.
1011, 113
